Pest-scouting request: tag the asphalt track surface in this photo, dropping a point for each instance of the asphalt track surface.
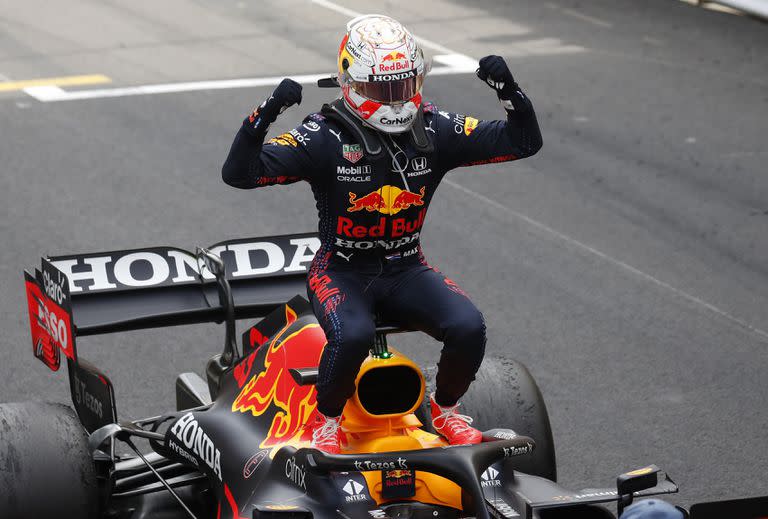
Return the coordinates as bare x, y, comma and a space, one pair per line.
625, 264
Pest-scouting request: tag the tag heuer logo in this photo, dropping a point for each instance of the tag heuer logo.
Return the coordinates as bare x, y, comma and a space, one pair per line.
352, 152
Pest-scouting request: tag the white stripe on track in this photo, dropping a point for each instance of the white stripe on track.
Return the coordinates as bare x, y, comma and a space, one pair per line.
456, 64
583, 246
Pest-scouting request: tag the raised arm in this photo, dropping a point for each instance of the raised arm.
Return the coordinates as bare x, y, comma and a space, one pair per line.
284, 159
465, 141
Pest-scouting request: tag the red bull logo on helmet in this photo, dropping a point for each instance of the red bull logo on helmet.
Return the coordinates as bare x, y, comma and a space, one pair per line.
273, 390
394, 62
386, 200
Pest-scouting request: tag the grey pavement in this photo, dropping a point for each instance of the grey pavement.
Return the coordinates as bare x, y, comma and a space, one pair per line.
625, 264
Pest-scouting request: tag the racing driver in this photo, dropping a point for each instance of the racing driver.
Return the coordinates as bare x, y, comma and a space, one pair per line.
374, 158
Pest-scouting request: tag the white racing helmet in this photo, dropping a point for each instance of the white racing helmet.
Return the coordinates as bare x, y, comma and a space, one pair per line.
381, 72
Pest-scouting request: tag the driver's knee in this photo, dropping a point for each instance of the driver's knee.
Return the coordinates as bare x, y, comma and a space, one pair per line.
466, 330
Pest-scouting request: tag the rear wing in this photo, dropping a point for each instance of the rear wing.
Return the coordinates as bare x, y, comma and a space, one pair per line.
88, 294
96, 293
163, 286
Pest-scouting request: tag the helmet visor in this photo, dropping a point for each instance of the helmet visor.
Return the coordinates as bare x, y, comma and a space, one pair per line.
389, 92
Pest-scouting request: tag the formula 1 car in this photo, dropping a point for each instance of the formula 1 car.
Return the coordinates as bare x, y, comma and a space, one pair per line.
237, 444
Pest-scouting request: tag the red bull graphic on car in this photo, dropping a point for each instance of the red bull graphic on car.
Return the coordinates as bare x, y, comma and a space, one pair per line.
273, 390
386, 200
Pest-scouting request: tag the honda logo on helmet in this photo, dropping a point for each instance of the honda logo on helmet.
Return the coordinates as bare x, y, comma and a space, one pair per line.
393, 77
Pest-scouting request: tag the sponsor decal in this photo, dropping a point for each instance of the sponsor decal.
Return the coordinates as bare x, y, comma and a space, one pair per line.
352, 152
311, 126
355, 492
505, 435
281, 508
273, 390
386, 200
394, 62
391, 227
586, 495
347, 257
164, 266
363, 465
399, 76
295, 473
84, 398
511, 452
393, 56
490, 478
398, 484
335, 134
319, 286
301, 138
50, 319
378, 514
356, 50
383, 244
189, 433
503, 508
465, 124
397, 120
419, 165
285, 139
253, 463
353, 173
470, 123
410, 252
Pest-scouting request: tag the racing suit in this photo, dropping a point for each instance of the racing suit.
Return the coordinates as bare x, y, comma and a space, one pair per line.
371, 212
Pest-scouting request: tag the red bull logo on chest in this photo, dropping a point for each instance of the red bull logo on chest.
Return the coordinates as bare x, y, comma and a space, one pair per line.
386, 200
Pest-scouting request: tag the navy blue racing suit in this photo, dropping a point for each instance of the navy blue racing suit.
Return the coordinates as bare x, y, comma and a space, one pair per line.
371, 212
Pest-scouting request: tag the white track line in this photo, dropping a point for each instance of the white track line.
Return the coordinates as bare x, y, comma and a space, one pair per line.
583, 246
458, 64
587, 18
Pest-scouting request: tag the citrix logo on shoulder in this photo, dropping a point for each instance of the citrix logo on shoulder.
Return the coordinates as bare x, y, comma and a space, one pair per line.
192, 436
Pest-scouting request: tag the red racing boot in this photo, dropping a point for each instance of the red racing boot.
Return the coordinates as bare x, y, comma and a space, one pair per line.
326, 434
452, 426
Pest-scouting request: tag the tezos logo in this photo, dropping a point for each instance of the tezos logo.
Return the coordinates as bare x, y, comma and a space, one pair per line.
295, 473
399, 463
189, 432
89, 400
354, 491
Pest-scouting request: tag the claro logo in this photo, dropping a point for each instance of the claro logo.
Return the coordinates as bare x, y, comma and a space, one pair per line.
189, 433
